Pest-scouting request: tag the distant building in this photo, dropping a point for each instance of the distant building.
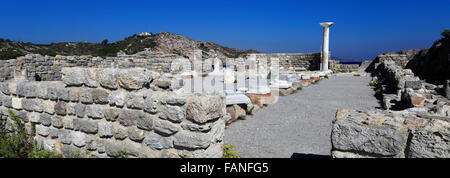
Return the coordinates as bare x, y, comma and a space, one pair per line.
145, 34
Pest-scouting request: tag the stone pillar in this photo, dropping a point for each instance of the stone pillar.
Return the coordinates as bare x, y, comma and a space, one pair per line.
325, 49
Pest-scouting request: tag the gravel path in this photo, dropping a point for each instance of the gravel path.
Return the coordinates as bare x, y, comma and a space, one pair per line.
300, 123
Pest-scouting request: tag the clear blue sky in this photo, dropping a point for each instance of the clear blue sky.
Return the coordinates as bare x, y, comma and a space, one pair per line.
362, 28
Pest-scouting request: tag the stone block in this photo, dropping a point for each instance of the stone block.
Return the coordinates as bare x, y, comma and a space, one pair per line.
79, 139
382, 141
73, 76
74, 94
105, 130
173, 113
60, 108
134, 79
63, 94
157, 141
45, 119
135, 134
80, 110
111, 114
7, 101
16, 103
107, 78
86, 126
135, 101
94, 111
146, 121
151, 103
128, 117
31, 105
42, 130
120, 132
91, 77
85, 96
193, 140
48, 106
415, 85
65, 136
57, 121
117, 98
201, 109
52, 93
34, 117
100, 96
165, 127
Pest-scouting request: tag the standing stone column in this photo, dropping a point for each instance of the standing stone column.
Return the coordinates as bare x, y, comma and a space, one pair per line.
325, 49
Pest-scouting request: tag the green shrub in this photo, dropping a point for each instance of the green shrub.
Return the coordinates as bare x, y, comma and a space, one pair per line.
107, 51
374, 83
10, 54
300, 87
228, 153
16, 143
48, 52
123, 154
326, 76
446, 33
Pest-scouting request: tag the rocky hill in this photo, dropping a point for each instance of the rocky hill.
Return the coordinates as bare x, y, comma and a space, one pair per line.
164, 41
431, 64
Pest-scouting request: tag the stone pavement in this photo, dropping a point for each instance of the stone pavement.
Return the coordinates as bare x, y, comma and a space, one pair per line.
300, 123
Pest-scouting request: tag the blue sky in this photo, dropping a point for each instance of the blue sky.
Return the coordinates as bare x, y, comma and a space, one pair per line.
362, 30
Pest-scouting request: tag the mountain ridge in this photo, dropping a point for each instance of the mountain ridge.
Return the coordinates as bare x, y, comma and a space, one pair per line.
163, 42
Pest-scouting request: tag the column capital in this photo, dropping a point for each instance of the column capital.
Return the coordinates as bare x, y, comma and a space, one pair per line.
326, 24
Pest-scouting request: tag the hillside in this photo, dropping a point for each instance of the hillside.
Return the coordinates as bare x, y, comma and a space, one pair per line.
164, 41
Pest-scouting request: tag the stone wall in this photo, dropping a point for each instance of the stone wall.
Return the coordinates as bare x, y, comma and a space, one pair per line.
101, 111
48, 68
415, 122
295, 61
389, 134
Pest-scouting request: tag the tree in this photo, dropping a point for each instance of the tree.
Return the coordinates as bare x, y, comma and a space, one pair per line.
105, 42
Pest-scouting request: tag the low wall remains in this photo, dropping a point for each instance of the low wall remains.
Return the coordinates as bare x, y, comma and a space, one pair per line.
103, 111
415, 122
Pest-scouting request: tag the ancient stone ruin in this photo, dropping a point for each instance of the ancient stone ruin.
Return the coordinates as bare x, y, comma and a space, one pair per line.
414, 122
105, 110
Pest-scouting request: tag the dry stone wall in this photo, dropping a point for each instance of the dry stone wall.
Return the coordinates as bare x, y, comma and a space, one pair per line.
103, 111
48, 68
414, 124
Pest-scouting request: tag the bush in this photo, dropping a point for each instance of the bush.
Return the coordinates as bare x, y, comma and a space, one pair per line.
446, 33
300, 87
107, 51
10, 54
16, 143
48, 52
228, 153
